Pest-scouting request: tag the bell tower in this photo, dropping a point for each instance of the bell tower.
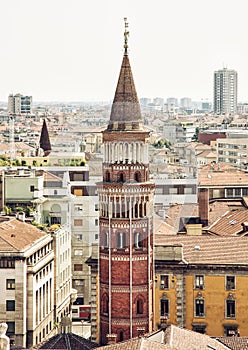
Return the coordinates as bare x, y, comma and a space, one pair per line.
126, 211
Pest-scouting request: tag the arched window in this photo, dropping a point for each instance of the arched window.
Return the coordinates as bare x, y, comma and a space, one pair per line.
107, 176
121, 336
137, 176
106, 239
105, 304
121, 177
121, 240
137, 240
139, 306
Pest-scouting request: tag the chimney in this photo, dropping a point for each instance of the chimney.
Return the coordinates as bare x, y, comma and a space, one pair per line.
111, 339
203, 202
20, 216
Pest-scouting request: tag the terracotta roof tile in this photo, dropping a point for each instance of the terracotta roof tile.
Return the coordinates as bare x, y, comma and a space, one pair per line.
223, 177
209, 249
230, 223
234, 343
16, 236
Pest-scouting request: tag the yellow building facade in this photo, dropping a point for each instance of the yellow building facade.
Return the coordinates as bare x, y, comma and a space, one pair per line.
199, 290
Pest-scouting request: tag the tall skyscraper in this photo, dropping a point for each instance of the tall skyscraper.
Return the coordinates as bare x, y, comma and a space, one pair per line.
225, 91
126, 209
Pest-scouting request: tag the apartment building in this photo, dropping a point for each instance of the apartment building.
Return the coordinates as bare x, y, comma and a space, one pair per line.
233, 151
196, 290
225, 91
19, 104
27, 288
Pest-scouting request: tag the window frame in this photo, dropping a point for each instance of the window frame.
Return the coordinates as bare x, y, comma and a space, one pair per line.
229, 284
199, 281
10, 284
166, 285
201, 302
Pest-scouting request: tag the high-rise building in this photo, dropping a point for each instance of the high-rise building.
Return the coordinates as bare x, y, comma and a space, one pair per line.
125, 225
225, 91
19, 104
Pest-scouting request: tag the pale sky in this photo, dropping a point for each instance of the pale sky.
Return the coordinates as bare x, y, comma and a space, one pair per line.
61, 50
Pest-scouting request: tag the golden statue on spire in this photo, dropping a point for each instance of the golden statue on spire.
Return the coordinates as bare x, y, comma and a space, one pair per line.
126, 35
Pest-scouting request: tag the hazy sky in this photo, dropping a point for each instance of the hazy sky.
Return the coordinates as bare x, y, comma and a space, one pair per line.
61, 50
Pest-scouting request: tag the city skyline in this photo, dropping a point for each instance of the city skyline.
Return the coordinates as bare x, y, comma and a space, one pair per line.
60, 51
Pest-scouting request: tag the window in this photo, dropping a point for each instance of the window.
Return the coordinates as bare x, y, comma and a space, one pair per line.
78, 267
7, 264
10, 305
230, 308
96, 222
96, 207
96, 236
137, 240
164, 307
139, 306
230, 282
173, 190
230, 330
55, 220
121, 240
164, 282
106, 239
10, 284
31, 188
78, 207
199, 328
199, 307
105, 305
78, 252
78, 222
11, 328
199, 281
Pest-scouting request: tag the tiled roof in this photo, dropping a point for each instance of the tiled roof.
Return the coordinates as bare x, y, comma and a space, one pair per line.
234, 343
209, 249
183, 339
230, 223
135, 344
223, 177
16, 236
175, 212
68, 341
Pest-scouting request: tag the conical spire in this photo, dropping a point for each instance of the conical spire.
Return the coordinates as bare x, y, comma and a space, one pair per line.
125, 112
45, 140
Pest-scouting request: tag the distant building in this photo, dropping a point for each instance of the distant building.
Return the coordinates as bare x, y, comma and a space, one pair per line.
225, 91
186, 102
19, 104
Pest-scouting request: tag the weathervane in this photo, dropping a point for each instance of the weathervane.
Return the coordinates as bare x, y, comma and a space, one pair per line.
126, 35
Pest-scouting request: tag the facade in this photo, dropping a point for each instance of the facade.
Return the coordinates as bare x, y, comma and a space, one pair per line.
27, 289
19, 104
225, 91
126, 227
233, 151
196, 291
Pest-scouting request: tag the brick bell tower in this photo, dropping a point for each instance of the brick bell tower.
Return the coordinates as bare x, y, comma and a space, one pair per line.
126, 211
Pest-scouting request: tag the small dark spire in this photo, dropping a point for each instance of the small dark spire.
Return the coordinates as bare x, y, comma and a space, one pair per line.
126, 35
45, 140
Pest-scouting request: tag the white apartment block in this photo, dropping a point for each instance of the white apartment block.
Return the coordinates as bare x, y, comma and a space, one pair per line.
233, 151
27, 288
225, 91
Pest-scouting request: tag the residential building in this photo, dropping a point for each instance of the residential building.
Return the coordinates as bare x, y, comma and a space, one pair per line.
27, 288
225, 91
125, 226
233, 151
196, 290
19, 104
186, 102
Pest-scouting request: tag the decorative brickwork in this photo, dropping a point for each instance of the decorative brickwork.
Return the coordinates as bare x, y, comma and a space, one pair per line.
126, 228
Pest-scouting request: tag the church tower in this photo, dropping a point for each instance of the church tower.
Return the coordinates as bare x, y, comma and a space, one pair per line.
126, 211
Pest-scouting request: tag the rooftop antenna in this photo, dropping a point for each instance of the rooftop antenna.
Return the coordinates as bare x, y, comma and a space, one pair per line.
126, 35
